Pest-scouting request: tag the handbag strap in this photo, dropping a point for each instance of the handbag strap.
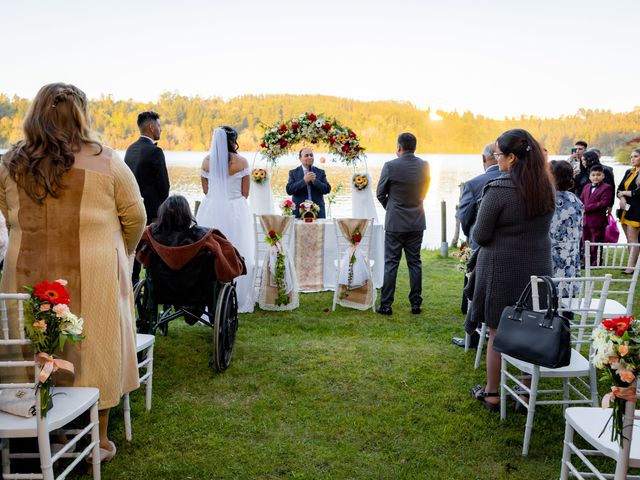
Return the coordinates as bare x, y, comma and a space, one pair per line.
552, 296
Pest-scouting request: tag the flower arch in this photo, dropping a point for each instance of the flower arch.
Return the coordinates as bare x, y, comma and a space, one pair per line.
340, 140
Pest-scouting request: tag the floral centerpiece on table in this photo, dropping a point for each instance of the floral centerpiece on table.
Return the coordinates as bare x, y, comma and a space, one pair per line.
309, 208
259, 175
287, 207
49, 325
360, 181
463, 256
340, 140
273, 239
616, 344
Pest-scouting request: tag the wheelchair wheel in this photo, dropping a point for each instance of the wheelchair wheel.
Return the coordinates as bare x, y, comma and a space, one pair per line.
142, 312
225, 327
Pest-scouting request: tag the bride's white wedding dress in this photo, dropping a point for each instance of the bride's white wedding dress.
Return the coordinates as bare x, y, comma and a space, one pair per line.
233, 218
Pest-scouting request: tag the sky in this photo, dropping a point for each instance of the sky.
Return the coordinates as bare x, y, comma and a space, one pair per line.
496, 58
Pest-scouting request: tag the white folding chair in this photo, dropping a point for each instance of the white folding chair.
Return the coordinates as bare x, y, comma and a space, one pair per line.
342, 246
144, 349
590, 424
586, 317
69, 404
614, 257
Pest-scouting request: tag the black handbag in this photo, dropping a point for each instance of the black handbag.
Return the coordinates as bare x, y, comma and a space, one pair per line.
541, 338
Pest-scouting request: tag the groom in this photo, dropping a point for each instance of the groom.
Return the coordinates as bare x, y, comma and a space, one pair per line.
307, 183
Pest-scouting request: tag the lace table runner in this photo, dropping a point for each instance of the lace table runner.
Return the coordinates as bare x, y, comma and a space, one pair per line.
309, 238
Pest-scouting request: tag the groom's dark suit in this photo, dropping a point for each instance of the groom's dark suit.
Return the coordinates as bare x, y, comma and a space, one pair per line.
401, 190
297, 188
146, 161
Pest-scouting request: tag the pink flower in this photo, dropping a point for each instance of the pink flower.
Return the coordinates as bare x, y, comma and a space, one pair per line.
45, 307
623, 350
61, 310
61, 282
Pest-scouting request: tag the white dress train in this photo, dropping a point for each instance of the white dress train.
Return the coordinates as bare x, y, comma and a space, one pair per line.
233, 218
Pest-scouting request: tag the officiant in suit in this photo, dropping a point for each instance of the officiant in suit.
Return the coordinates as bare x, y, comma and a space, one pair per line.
146, 161
401, 190
307, 183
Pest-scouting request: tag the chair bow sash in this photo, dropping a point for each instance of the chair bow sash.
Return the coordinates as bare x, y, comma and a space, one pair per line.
623, 393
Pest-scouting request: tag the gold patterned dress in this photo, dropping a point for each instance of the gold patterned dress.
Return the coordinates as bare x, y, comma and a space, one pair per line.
85, 237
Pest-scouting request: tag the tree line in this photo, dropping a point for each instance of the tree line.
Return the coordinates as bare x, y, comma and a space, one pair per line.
188, 122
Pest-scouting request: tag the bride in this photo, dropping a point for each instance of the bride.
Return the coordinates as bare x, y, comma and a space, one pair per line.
225, 182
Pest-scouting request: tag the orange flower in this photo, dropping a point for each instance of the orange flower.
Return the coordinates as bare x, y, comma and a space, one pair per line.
623, 350
626, 376
40, 325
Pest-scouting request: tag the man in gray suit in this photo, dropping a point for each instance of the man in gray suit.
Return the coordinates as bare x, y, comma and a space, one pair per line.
401, 190
467, 212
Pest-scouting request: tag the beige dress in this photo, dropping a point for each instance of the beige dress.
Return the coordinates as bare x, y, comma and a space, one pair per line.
85, 237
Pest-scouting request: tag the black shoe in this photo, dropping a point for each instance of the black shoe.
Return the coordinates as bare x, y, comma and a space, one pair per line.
473, 341
415, 309
384, 310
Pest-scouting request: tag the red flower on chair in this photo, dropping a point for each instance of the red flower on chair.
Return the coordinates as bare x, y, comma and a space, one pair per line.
54, 292
619, 324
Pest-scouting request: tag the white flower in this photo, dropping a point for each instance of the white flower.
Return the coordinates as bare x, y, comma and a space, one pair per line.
61, 282
319, 123
73, 325
61, 310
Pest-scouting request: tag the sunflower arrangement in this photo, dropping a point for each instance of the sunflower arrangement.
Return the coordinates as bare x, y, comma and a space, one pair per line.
360, 181
259, 175
340, 140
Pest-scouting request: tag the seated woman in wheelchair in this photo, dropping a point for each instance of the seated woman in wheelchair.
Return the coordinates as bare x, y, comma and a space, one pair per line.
177, 239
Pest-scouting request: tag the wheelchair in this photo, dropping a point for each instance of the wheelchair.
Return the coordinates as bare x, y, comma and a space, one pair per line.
194, 294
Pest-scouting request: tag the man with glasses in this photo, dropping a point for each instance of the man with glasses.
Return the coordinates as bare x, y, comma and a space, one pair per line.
468, 210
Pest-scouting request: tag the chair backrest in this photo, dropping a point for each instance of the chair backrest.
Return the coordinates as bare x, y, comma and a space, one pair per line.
12, 341
343, 244
261, 246
583, 303
614, 257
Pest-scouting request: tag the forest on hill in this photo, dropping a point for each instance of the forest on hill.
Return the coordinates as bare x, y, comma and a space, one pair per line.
188, 122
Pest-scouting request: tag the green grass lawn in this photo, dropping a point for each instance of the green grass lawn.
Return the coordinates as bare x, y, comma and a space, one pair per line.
320, 394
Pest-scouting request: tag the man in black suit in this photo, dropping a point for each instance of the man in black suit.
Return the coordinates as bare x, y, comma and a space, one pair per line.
467, 212
401, 190
307, 183
146, 161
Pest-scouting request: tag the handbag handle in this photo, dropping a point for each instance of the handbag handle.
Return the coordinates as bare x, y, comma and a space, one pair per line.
552, 299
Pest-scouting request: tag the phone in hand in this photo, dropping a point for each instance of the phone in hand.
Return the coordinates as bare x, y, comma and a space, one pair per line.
574, 150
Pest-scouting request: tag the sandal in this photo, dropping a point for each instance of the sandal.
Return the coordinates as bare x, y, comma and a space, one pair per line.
478, 393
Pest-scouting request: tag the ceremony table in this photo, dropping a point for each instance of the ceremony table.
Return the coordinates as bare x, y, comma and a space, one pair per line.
314, 249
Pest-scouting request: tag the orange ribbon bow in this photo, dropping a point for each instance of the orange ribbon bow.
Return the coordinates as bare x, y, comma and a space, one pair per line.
623, 393
50, 365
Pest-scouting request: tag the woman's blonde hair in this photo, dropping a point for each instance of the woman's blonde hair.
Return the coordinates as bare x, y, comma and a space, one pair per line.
55, 128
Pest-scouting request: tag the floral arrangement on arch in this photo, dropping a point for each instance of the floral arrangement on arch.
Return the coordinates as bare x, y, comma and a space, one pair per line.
259, 175
309, 207
360, 181
287, 207
49, 324
273, 239
340, 140
616, 344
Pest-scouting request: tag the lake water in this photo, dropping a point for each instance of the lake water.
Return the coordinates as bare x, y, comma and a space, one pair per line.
447, 173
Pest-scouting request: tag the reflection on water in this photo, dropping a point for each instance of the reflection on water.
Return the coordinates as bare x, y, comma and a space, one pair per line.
447, 173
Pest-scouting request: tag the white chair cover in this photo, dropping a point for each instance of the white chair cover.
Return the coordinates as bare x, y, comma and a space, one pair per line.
261, 198
362, 204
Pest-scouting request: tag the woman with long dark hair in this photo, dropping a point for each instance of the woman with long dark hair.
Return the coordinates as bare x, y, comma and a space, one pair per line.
75, 212
225, 183
512, 229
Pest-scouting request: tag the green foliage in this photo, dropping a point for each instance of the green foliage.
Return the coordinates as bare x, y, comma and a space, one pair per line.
188, 122
623, 153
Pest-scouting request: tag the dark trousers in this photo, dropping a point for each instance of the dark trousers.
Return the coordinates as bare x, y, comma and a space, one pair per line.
394, 244
593, 234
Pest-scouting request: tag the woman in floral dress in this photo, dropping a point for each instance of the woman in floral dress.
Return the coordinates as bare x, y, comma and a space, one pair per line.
566, 224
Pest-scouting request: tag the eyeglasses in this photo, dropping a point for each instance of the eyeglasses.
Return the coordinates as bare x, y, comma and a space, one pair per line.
497, 155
